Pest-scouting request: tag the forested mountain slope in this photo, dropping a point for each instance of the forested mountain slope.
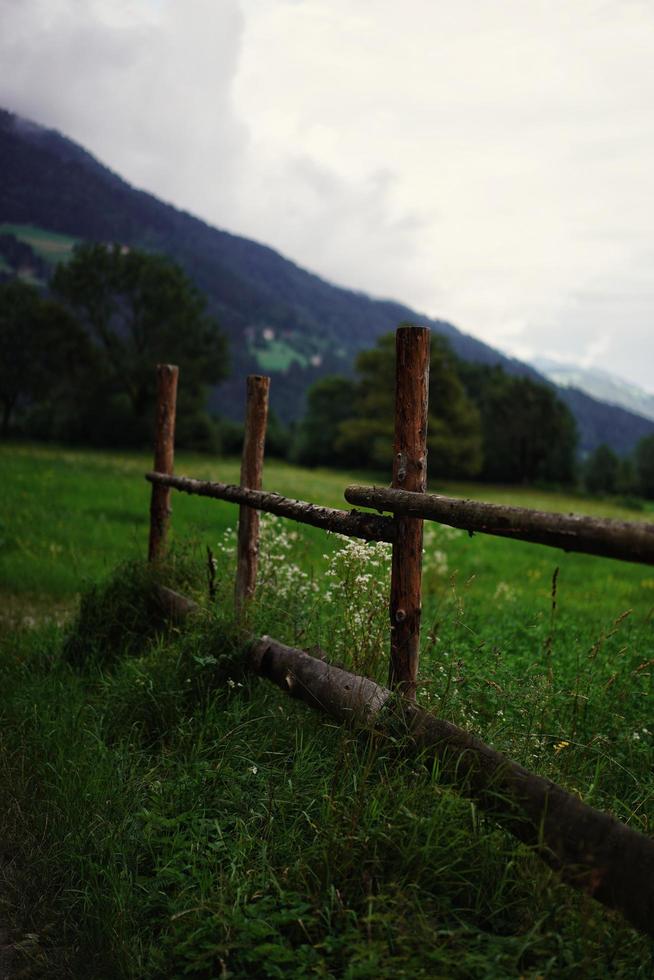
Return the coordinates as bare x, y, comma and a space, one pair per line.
279, 318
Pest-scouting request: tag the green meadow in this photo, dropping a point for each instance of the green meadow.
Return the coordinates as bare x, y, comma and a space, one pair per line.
49, 245
168, 815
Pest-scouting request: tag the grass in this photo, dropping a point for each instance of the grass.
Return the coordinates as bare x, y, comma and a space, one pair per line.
167, 815
278, 355
49, 245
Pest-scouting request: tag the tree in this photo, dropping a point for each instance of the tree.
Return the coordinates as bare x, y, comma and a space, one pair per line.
453, 432
528, 433
601, 470
644, 459
141, 309
329, 403
626, 480
41, 349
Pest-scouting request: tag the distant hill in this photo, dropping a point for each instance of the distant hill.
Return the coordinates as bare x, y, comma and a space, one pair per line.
279, 318
600, 384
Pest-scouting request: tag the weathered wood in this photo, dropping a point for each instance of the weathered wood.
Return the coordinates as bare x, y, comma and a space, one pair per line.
174, 605
247, 551
164, 454
352, 523
346, 697
592, 851
409, 473
628, 541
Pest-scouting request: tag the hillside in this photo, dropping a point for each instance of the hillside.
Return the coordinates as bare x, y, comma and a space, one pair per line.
602, 385
279, 318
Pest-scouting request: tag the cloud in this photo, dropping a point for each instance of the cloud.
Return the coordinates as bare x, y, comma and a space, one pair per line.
489, 164
149, 88
145, 86
596, 349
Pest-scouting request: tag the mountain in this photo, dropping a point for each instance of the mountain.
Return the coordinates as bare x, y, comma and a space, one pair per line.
279, 318
601, 385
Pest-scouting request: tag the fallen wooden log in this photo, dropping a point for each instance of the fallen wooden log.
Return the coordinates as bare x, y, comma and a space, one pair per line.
174, 605
592, 851
370, 527
628, 541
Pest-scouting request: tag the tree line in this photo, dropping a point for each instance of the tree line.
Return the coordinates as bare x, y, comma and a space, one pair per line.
76, 366
483, 422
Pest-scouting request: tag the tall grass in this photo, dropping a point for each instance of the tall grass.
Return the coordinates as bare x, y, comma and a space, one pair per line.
167, 815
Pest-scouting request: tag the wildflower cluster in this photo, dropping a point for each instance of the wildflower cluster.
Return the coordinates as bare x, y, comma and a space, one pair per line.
282, 585
279, 576
356, 596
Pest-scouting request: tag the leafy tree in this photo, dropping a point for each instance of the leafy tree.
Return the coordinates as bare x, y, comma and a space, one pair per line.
627, 480
644, 460
278, 437
453, 431
41, 349
330, 402
528, 433
601, 470
139, 310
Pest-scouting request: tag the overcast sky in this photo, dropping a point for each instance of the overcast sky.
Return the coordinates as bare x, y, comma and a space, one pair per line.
490, 162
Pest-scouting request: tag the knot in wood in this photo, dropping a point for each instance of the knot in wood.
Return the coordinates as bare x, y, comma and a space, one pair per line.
400, 615
400, 473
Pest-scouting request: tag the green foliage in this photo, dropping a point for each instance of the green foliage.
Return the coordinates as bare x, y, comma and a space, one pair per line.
230, 437
20, 257
601, 470
528, 433
42, 351
139, 310
481, 419
351, 422
330, 403
278, 438
626, 479
453, 433
124, 615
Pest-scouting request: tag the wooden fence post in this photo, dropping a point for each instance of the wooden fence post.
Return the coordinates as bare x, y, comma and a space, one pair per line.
409, 473
256, 420
164, 454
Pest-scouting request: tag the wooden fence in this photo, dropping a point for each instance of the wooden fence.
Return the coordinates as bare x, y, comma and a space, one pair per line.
407, 500
593, 851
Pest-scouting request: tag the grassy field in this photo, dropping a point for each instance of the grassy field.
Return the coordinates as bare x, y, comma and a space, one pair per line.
169, 816
49, 245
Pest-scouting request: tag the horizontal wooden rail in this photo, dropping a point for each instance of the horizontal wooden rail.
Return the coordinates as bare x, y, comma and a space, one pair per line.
353, 524
628, 541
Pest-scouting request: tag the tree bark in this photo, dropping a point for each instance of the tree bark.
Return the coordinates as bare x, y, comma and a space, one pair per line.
628, 541
164, 454
410, 473
352, 523
592, 851
247, 552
